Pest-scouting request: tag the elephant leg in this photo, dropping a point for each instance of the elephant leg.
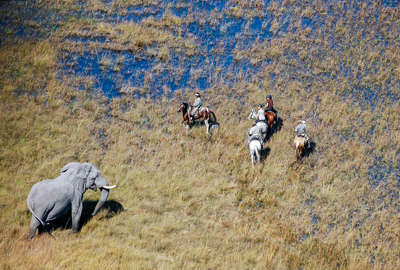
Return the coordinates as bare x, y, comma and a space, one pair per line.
33, 227
76, 216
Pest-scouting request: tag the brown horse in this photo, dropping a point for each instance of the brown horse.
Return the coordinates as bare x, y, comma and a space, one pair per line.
270, 117
204, 114
299, 145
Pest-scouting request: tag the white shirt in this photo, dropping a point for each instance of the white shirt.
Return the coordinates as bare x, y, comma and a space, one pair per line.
261, 115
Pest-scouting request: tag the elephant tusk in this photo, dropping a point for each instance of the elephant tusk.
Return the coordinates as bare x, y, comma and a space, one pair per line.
109, 187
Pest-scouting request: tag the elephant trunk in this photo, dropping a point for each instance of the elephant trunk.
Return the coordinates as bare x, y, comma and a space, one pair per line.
102, 200
105, 190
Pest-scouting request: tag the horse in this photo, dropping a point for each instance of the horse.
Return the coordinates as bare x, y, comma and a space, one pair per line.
299, 144
270, 117
255, 149
263, 126
204, 113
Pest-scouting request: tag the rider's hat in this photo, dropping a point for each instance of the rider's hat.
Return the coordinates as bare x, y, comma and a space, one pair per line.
197, 94
260, 105
269, 96
301, 121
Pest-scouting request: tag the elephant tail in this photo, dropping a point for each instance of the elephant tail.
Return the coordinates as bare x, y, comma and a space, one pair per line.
33, 214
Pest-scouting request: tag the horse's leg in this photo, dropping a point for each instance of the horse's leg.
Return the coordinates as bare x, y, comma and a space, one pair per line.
271, 124
296, 149
207, 126
252, 157
258, 155
301, 150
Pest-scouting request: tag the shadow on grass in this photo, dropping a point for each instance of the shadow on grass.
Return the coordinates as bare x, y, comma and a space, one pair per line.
310, 149
276, 127
111, 207
264, 153
307, 152
278, 124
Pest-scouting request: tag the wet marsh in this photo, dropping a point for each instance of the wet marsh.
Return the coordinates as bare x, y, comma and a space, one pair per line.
101, 81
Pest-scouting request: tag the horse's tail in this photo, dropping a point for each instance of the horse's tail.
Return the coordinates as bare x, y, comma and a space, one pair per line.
257, 153
298, 148
254, 152
214, 117
270, 118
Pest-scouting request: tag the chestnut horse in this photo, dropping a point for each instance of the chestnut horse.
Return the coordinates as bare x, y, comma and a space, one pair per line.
299, 145
205, 114
270, 117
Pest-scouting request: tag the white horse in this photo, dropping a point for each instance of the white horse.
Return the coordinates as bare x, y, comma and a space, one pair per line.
262, 124
255, 149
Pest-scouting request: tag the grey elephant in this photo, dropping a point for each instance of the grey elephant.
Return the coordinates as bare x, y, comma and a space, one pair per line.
51, 198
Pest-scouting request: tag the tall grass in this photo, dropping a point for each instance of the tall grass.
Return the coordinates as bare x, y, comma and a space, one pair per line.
194, 202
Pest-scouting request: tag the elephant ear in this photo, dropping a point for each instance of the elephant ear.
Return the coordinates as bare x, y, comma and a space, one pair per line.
84, 170
69, 166
91, 177
93, 172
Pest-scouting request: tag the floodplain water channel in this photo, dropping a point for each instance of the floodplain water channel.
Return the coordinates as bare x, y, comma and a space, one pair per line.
195, 45
198, 44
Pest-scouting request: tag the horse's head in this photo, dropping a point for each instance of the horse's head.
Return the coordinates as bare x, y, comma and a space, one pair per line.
252, 114
183, 107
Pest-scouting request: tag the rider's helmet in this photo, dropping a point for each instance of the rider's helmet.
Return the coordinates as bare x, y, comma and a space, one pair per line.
269, 96
260, 106
301, 122
197, 94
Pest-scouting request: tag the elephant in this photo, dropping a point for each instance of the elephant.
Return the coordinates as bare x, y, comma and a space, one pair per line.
52, 198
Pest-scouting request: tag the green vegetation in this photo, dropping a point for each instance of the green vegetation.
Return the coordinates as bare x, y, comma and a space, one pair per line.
193, 202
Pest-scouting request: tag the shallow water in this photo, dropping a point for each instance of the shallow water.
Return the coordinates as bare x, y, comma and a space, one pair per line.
223, 46
181, 71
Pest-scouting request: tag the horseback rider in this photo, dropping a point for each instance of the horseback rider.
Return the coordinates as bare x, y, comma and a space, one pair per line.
269, 105
301, 130
255, 133
260, 114
195, 107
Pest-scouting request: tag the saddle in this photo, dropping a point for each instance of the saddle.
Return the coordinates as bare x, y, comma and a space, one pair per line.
306, 142
254, 138
193, 116
197, 111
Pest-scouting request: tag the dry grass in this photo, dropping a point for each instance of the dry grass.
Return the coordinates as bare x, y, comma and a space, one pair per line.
191, 202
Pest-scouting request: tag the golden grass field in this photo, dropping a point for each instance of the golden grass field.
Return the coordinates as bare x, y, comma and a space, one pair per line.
188, 201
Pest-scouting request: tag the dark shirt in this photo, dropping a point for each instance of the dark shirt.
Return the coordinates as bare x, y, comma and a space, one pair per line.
270, 104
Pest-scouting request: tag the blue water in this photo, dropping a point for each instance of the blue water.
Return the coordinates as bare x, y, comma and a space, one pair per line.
215, 42
218, 37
